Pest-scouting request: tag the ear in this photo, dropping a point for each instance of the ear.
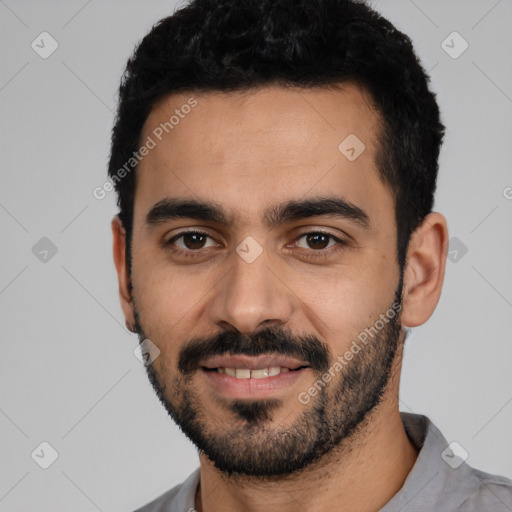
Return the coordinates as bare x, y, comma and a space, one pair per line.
424, 273
119, 249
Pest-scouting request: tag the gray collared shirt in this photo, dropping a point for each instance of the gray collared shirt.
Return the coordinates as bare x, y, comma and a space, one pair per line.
439, 481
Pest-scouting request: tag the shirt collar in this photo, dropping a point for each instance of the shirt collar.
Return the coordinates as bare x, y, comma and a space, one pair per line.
432, 479
429, 479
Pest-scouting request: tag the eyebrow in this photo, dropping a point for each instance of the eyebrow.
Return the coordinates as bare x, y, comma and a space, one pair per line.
169, 209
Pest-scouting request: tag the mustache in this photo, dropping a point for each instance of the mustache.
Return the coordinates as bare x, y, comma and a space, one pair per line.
267, 341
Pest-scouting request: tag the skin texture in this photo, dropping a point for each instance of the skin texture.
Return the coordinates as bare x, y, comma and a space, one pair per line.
247, 152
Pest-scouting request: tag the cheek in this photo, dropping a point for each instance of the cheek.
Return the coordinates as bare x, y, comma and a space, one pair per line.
347, 300
163, 295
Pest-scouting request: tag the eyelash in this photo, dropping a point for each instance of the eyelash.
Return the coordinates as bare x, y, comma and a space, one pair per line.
312, 253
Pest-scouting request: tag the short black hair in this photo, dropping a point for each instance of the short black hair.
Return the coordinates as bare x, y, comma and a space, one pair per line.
238, 45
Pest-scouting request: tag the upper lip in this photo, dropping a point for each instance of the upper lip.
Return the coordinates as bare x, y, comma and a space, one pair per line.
253, 362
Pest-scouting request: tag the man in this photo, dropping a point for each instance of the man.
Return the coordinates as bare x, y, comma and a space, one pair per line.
275, 164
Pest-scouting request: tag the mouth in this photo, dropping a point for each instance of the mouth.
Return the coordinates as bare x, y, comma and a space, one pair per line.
256, 373
240, 376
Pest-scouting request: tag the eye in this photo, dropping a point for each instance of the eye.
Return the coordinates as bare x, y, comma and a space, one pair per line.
318, 240
318, 244
314, 244
190, 241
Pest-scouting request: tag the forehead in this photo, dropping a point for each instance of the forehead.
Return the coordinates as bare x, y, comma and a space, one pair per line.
248, 150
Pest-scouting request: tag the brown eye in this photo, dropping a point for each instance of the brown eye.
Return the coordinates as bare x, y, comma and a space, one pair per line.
194, 241
318, 240
190, 241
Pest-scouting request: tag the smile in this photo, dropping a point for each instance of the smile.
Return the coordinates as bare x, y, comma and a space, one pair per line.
256, 373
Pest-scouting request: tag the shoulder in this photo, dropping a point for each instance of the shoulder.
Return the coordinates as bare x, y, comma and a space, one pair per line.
178, 499
442, 480
163, 502
490, 492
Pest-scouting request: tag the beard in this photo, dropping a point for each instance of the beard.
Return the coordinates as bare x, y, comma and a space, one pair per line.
250, 444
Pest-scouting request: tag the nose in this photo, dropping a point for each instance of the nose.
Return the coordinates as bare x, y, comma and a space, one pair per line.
252, 296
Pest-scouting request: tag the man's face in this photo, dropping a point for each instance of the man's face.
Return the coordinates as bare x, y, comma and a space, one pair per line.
270, 289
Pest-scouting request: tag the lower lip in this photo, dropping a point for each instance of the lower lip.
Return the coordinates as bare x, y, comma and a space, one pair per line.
252, 388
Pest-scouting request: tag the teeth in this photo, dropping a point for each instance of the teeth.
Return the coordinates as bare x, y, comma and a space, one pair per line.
259, 374
245, 373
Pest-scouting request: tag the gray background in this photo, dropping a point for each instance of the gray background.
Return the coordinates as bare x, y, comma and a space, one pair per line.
68, 375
